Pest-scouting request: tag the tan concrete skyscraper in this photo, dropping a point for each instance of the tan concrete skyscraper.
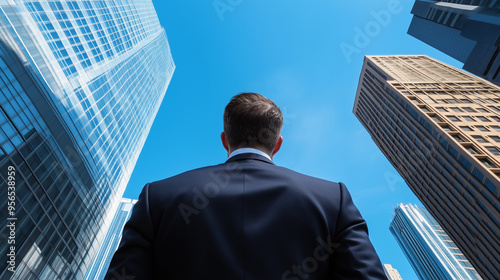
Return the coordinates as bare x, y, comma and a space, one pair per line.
391, 273
440, 128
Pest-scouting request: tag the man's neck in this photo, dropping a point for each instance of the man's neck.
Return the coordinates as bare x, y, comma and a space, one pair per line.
249, 150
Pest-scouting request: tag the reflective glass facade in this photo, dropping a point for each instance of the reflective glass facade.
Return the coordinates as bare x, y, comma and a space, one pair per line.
80, 85
431, 252
100, 265
438, 126
467, 30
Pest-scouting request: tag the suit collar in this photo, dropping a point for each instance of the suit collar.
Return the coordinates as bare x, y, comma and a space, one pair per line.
249, 156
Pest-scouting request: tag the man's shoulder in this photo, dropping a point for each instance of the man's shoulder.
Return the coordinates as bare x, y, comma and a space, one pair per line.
214, 172
305, 177
192, 174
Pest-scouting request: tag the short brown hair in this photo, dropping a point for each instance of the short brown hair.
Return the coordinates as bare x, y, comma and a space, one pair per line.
252, 120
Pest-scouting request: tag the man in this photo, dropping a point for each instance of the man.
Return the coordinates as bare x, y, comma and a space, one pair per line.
246, 218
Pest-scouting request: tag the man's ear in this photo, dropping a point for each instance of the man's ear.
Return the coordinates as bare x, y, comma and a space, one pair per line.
278, 145
223, 138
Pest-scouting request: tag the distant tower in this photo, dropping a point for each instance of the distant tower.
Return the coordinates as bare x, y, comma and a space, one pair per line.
440, 128
100, 265
431, 252
391, 273
467, 30
80, 85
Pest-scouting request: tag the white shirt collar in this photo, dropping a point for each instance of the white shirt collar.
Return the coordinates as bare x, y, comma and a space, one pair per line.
249, 150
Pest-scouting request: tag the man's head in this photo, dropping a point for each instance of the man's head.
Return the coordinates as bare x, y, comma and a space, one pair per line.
252, 121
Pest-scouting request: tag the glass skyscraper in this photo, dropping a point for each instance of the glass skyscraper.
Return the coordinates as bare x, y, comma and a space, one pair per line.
440, 128
467, 30
431, 252
80, 85
100, 265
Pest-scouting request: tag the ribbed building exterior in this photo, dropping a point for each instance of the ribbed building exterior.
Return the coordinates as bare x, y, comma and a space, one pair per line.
467, 30
440, 128
80, 85
101, 262
430, 251
391, 273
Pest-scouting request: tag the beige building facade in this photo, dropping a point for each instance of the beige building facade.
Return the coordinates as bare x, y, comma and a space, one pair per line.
391, 273
440, 128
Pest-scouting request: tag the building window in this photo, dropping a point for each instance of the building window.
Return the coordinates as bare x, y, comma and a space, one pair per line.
479, 101
456, 109
451, 101
441, 109
469, 109
466, 128
457, 138
495, 138
484, 119
447, 128
493, 150
469, 119
480, 139
482, 110
486, 162
465, 101
494, 108
453, 118
481, 128
436, 118
495, 118
471, 150
495, 127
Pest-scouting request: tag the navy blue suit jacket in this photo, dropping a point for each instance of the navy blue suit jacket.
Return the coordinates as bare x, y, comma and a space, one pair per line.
245, 219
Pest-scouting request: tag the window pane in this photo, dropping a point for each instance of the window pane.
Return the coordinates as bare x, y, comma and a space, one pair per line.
480, 139
471, 149
495, 127
487, 163
493, 150
495, 138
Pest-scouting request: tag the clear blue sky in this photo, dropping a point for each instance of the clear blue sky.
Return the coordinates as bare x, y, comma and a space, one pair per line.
289, 51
